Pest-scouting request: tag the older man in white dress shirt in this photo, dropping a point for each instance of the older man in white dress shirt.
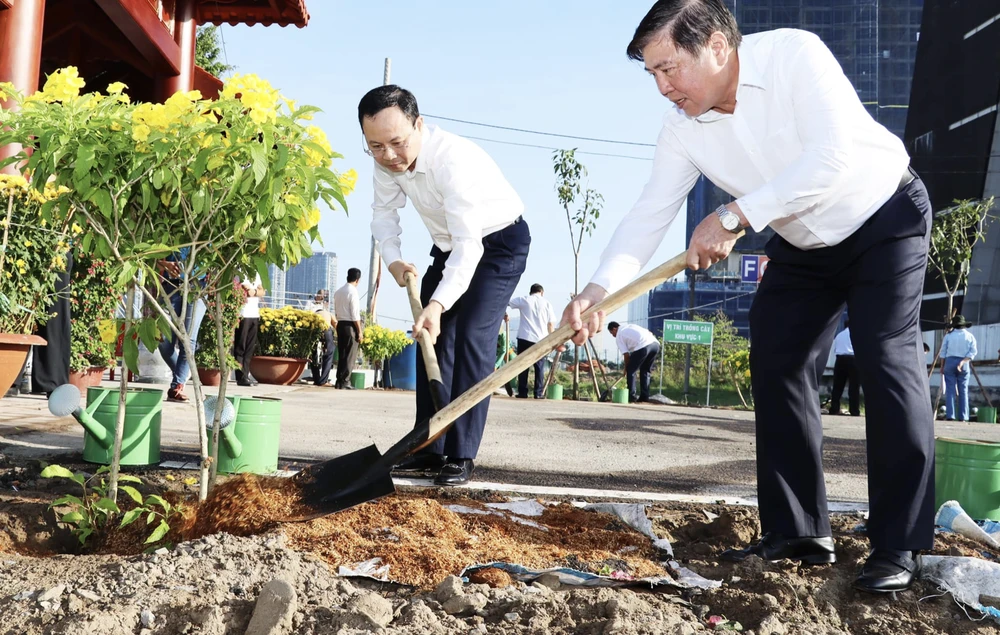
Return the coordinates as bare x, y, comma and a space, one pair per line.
771, 119
480, 248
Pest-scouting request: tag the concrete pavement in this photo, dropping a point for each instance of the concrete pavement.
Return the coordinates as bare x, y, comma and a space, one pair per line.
668, 449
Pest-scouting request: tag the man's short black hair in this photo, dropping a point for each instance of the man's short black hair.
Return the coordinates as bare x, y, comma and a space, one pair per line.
378, 99
536, 288
612, 325
690, 23
353, 274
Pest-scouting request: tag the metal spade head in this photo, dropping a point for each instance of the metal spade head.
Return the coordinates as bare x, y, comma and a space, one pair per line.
64, 400
228, 411
346, 481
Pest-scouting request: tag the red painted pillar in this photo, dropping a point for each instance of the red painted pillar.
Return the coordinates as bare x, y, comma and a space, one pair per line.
185, 34
20, 53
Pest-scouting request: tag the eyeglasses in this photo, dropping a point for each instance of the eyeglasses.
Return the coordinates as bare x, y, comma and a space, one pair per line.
397, 146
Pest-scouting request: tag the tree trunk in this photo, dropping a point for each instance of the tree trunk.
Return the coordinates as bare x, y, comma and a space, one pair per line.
576, 349
116, 452
223, 351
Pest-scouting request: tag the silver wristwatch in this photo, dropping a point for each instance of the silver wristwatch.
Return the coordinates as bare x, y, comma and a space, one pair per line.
730, 221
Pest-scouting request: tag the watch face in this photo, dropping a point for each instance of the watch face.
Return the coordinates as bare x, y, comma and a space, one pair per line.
730, 221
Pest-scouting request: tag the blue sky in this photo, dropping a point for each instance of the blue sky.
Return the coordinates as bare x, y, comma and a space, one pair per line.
551, 66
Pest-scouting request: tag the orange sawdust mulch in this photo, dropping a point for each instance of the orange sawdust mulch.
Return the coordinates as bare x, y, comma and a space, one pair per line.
421, 540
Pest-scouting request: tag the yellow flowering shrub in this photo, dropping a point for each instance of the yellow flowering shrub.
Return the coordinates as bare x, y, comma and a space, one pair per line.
33, 253
379, 343
289, 332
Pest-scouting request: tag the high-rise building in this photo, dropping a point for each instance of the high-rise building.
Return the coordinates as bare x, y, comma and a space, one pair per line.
953, 136
875, 42
316, 272
275, 297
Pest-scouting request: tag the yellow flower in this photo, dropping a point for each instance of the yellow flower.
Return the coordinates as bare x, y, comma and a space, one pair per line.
115, 88
6, 90
347, 181
28, 243
263, 246
77, 229
747, 374
108, 331
62, 85
116, 126
314, 158
140, 132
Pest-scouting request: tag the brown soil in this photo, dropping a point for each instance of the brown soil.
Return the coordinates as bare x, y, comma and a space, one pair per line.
421, 540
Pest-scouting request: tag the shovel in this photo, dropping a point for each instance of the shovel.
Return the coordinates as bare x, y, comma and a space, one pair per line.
364, 475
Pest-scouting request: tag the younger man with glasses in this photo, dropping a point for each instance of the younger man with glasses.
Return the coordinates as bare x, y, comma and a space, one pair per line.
480, 247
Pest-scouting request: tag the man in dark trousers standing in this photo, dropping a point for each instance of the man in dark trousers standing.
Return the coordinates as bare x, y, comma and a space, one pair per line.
347, 312
50, 363
845, 371
245, 342
537, 320
480, 247
772, 120
639, 348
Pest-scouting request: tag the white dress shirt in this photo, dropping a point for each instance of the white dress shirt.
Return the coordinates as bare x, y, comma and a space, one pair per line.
631, 338
536, 315
251, 309
799, 153
461, 196
842, 343
346, 306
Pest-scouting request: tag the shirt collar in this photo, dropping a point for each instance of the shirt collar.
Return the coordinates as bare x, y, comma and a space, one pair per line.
750, 75
421, 165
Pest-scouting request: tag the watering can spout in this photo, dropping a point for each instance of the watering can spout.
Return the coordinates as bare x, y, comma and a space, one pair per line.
93, 427
234, 444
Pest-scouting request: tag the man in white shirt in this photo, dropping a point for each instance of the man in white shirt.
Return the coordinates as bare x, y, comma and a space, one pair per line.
538, 319
347, 311
845, 371
773, 121
480, 248
640, 348
245, 343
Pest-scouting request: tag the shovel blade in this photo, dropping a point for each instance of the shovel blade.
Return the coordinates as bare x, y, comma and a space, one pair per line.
346, 481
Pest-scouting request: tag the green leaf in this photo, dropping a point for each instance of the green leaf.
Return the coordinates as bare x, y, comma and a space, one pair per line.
159, 176
131, 516
157, 500
108, 505
102, 199
148, 335
56, 471
259, 162
198, 200
150, 518
199, 163
104, 469
65, 500
71, 517
84, 161
128, 478
133, 493
234, 188
147, 195
84, 534
261, 265
130, 351
282, 159
158, 533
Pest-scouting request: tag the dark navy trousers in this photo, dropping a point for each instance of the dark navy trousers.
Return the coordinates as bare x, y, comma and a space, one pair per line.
878, 274
466, 348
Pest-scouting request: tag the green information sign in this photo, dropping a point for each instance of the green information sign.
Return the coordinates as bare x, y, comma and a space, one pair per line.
682, 332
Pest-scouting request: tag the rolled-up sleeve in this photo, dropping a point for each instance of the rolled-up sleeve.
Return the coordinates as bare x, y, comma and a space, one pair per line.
386, 229
459, 187
823, 102
641, 231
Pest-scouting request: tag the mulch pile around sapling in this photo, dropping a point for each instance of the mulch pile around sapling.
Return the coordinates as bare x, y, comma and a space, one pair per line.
421, 540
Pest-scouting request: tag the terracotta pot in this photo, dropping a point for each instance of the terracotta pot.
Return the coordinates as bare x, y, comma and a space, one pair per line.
210, 376
277, 370
84, 379
13, 351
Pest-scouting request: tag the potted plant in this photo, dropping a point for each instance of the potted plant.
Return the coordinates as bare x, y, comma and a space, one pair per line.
94, 303
32, 256
206, 357
380, 344
286, 339
235, 182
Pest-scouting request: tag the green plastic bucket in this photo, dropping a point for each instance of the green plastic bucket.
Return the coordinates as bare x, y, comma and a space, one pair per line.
257, 429
555, 392
141, 438
358, 380
986, 415
968, 472
619, 395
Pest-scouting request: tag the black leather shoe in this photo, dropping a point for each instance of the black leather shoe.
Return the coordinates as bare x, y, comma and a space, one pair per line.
456, 472
420, 462
808, 550
888, 570
253, 380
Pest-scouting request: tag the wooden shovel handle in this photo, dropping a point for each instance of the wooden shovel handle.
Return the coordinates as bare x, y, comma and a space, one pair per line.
441, 421
424, 339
